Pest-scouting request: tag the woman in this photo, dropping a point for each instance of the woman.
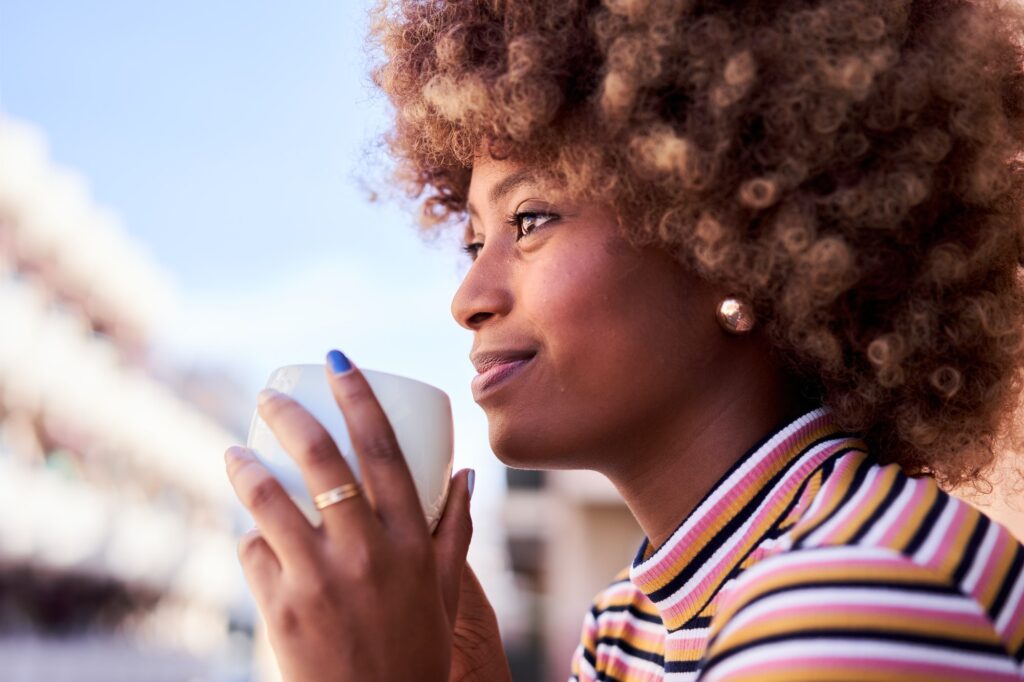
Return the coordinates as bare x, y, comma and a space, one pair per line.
757, 263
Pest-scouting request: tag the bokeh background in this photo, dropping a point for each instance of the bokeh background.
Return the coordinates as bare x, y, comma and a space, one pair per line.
192, 194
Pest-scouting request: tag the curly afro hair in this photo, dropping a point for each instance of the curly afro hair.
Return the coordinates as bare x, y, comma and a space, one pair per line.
853, 167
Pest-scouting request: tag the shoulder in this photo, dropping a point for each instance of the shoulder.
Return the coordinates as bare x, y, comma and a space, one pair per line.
888, 521
879, 572
619, 607
622, 629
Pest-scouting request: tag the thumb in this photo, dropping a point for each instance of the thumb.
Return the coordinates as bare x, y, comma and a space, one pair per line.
451, 539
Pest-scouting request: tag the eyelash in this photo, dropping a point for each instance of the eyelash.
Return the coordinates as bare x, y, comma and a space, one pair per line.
516, 221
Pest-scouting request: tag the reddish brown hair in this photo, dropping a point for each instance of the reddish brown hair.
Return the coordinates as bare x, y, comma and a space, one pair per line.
852, 166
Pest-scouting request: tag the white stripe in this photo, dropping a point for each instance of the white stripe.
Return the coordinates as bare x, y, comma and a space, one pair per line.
808, 558
868, 650
619, 590
822, 497
615, 653
701, 634
894, 514
1010, 607
840, 516
682, 677
727, 485
741, 534
926, 552
982, 558
610, 619
835, 599
584, 666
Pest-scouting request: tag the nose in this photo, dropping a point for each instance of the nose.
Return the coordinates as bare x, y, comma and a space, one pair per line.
484, 293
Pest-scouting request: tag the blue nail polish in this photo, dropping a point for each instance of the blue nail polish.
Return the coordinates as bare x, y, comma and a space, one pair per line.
470, 481
338, 362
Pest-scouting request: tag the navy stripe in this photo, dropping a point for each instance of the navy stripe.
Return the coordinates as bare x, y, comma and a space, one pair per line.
970, 552
852, 489
1009, 578
631, 608
734, 524
945, 644
927, 524
636, 652
883, 506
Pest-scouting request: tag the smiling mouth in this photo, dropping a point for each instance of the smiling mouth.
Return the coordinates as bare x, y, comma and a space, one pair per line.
497, 375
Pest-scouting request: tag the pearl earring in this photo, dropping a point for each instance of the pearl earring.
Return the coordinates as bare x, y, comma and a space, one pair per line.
735, 315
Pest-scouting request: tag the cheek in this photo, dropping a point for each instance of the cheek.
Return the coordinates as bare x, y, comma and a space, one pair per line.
571, 301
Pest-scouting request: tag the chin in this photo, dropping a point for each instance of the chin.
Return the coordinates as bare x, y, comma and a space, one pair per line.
532, 448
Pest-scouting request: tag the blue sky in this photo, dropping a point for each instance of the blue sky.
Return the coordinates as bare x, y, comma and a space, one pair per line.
236, 140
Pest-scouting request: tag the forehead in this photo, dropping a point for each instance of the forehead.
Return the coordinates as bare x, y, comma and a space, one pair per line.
492, 180
488, 174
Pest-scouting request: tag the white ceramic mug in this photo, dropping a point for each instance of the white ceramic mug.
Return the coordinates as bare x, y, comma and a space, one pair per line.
420, 414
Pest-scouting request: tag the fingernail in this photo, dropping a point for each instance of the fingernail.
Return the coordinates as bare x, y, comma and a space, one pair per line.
266, 395
338, 362
471, 481
236, 453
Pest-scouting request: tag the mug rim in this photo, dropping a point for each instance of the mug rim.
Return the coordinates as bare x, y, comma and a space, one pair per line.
312, 365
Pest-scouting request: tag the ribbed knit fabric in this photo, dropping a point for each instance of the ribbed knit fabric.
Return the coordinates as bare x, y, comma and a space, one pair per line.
808, 560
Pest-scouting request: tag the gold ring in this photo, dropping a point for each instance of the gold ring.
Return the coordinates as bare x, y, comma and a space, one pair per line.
336, 495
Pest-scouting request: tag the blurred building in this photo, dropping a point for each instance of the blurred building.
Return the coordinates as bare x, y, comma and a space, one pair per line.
117, 551
569, 534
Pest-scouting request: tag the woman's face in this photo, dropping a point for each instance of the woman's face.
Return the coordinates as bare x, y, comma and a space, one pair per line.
585, 343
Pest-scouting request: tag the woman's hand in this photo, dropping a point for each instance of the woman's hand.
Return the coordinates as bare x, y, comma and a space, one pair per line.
369, 595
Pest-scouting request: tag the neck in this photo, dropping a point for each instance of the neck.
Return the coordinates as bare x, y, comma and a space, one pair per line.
675, 463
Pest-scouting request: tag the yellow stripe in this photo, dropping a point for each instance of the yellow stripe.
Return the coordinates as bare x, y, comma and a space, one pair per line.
880, 572
908, 527
1017, 636
883, 484
637, 599
650, 643
841, 483
816, 673
780, 462
810, 491
952, 558
923, 624
999, 575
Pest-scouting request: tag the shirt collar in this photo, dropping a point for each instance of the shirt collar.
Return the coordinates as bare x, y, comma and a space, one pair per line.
682, 575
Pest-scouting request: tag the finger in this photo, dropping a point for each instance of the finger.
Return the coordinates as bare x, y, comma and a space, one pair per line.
282, 525
322, 466
260, 566
381, 461
451, 539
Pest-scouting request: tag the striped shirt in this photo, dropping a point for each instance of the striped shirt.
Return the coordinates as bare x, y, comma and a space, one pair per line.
809, 560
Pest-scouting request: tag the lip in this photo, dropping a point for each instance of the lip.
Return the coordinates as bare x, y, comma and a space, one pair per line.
496, 372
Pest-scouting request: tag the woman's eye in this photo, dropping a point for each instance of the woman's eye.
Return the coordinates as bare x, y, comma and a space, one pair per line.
473, 249
527, 221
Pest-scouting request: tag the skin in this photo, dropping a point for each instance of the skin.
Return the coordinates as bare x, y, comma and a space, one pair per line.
632, 376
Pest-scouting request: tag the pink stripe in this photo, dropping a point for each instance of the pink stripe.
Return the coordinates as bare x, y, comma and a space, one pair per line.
676, 644
865, 492
609, 658
1017, 618
655, 573
728, 560
848, 564
793, 663
1002, 538
946, 546
898, 522
888, 611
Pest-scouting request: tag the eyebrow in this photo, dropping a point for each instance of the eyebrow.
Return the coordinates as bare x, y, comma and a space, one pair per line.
509, 183
504, 187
